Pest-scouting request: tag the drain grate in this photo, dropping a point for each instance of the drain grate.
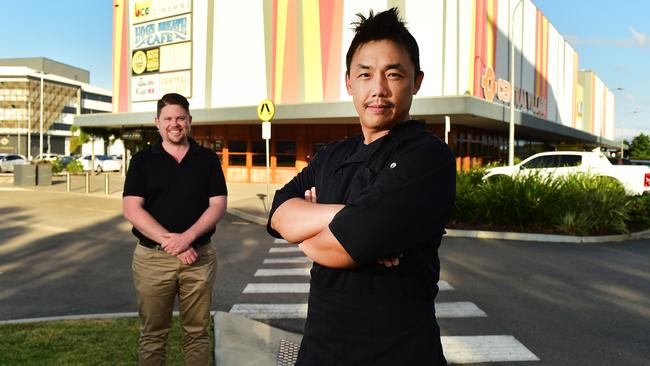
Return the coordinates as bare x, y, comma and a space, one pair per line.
287, 353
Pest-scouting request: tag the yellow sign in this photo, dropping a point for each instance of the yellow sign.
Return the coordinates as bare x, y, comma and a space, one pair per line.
139, 62
266, 110
153, 57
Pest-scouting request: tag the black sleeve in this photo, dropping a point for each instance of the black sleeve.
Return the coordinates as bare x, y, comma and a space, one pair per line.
408, 204
217, 180
135, 183
294, 189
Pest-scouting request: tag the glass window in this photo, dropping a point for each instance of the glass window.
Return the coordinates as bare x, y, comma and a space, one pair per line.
285, 152
235, 146
285, 147
570, 160
237, 160
547, 161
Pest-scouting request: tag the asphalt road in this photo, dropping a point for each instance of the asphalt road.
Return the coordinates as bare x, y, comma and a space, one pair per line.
65, 254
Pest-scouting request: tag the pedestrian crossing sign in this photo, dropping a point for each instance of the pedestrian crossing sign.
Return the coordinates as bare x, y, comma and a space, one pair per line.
266, 110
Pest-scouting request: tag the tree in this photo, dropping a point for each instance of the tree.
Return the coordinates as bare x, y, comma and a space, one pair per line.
640, 147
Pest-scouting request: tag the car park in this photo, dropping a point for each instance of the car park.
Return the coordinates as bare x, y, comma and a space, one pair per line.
8, 161
103, 163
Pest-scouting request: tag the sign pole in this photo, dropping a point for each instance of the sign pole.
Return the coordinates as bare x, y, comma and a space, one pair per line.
268, 175
266, 111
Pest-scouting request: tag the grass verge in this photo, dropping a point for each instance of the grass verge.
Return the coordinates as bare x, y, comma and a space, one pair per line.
80, 342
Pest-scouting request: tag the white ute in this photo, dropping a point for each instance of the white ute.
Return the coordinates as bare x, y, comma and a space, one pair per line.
634, 178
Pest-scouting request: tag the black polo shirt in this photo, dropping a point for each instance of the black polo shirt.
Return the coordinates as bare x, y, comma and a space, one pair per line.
175, 194
398, 193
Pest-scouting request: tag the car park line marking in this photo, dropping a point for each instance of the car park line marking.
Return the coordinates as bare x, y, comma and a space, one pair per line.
299, 311
287, 260
285, 250
280, 241
491, 348
276, 288
282, 272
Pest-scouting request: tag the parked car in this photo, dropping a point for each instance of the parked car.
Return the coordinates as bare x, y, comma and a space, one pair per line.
634, 179
103, 163
46, 157
64, 160
8, 161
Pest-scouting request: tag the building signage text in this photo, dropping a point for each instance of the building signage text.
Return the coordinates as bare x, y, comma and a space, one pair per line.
147, 10
161, 32
501, 89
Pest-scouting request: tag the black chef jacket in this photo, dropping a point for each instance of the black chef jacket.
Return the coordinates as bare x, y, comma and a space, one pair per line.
398, 193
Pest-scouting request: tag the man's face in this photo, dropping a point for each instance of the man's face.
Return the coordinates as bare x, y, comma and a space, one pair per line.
174, 124
382, 83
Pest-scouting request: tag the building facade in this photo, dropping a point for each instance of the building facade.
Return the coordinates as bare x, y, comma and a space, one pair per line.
227, 56
38, 101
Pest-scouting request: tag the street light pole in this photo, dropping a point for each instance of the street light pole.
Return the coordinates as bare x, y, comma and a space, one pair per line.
40, 139
511, 134
29, 129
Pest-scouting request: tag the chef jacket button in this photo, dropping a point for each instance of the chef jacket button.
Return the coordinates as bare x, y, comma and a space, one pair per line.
393, 165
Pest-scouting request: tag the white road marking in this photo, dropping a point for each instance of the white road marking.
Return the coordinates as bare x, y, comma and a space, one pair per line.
276, 288
444, 286
287, 260
271, 311
462, 309
292, 288
285, 250
282, 272
299, 311
280, 241
475, 349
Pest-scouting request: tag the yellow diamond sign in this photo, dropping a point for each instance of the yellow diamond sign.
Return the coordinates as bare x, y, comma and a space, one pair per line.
266, 110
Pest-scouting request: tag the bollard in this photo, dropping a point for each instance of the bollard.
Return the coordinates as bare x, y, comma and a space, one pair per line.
106, 188
87, 182
67, 182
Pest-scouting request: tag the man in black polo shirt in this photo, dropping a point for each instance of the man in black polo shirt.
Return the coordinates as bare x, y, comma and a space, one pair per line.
370, 211
174, 195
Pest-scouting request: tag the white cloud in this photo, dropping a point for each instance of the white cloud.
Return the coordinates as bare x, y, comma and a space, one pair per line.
640, 39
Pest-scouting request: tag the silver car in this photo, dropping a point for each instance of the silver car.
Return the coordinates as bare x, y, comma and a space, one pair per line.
8, 161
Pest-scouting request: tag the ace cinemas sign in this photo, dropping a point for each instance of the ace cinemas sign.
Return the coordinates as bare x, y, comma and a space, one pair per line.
501, 89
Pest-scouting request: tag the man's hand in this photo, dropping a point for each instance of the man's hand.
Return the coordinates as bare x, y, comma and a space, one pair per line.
174, 243
189, 256
310, 196
389, 262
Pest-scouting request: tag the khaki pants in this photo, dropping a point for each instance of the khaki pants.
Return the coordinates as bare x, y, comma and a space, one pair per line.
159, 278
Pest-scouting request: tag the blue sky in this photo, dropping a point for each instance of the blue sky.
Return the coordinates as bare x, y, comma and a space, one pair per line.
610, 36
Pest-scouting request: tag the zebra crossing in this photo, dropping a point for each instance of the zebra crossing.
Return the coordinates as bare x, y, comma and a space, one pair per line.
286, 271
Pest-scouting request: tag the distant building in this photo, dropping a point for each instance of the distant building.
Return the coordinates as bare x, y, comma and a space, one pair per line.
66, 92
226, 56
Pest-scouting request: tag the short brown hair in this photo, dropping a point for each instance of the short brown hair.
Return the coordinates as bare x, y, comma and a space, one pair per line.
173, 98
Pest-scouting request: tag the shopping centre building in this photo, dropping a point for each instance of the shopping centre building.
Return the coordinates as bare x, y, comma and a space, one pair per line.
227, 56
39, 98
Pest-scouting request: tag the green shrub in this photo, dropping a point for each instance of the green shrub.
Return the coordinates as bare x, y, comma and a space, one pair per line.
639, 209
578, 204
57, 167
74, 166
